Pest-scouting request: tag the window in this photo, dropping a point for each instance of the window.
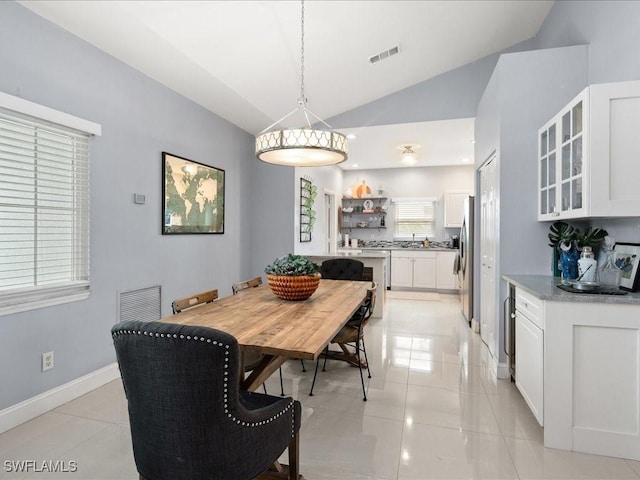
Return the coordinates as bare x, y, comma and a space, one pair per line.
44, 210
414, 216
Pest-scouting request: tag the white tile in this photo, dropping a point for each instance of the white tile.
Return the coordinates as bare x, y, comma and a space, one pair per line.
514, 416
534, 461
450, 408
354, 443
434, 410
107, 455
635, 466
106, 403
46, 439
452, 376
440, 453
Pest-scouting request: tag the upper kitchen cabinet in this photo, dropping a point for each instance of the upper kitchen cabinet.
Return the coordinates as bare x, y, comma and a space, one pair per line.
453, 208
588, 155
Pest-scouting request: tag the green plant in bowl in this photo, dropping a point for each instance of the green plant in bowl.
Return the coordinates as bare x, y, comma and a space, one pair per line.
292, 265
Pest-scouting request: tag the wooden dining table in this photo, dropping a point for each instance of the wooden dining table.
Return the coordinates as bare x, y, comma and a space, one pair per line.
279, 329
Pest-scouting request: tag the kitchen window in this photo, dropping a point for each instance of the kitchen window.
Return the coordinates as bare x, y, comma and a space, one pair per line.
414, 218
44, 206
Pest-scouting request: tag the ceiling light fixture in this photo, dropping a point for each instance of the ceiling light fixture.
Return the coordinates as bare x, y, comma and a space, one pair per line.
302, 146
408, 155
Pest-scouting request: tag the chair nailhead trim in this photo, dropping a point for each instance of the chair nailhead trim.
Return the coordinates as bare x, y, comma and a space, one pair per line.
226, 375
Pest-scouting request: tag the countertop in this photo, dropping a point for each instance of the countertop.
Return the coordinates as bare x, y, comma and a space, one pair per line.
410, 249
544, 288
355, 253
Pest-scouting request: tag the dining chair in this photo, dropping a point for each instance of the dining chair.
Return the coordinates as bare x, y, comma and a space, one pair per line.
351, 336
189, 420
342, 269
252, 283
185, 303
252, 359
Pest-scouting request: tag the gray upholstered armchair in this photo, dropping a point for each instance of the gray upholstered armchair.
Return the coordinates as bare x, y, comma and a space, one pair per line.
189, 420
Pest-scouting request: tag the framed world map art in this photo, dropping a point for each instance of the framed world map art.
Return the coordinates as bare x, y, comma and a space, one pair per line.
193, 196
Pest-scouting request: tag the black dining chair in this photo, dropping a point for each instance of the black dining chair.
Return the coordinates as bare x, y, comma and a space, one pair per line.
342, 269
189, 420
351, 336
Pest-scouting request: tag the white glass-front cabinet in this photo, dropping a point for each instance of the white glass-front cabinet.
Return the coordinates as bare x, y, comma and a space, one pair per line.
588, 155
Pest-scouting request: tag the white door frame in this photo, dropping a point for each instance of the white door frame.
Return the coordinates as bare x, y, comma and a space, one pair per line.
330, 227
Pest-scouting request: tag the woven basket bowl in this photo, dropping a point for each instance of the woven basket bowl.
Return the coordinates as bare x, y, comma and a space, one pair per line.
293, 287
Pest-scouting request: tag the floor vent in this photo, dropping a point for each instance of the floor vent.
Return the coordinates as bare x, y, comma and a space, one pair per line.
386, 54
142, 304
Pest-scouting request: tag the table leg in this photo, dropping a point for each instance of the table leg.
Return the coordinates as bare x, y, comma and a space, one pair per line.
262, 372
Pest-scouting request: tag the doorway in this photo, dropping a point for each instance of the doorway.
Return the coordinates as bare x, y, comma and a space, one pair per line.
330, 222
488, 240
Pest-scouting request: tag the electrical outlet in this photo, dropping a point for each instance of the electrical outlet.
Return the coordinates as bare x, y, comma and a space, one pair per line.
47, 361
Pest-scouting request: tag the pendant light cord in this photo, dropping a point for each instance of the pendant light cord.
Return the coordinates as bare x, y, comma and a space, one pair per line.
302, 100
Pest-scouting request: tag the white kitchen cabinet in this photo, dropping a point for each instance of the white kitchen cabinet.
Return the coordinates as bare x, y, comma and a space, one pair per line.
454, 208
446, 278
587, 155
401, 271
587, 348
413, 269
530, 352
423, 269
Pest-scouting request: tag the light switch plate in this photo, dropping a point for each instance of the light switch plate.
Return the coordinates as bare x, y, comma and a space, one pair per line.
138, 198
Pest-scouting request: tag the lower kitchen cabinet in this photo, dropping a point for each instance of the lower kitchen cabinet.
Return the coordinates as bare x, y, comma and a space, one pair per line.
446, 278
401, 271
577, 366
411, 269
423, 269
530, 353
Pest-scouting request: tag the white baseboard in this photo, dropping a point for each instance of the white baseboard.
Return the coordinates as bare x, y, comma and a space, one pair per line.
503, 371
33, 407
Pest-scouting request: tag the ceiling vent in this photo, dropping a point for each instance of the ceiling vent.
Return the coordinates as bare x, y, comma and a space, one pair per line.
384, 55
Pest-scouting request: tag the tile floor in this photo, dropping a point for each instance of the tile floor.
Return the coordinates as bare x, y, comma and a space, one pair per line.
435, 411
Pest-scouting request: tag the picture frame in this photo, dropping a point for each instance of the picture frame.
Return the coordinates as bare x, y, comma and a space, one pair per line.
627, 259
193, 196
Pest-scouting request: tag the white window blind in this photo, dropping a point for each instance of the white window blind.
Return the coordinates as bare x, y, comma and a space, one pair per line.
414, 216
44, 213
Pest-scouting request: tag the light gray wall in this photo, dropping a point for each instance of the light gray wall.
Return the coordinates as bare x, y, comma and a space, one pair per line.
412, 182
326, 179
270, 194
454, 94
526, 89
611, 30
140, 118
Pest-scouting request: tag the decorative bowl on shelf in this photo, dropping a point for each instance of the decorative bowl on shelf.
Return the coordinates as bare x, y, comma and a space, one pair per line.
347, 210
362, 224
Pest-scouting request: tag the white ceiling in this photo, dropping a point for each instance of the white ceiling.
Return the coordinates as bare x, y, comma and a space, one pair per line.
241, 59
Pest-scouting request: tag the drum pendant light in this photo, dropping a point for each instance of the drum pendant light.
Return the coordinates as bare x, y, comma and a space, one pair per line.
302, 146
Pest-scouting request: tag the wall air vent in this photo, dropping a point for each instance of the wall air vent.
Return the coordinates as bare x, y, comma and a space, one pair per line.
386, 54
142, 304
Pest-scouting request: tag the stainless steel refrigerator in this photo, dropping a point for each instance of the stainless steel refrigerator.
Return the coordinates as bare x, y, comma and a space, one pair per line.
465, 261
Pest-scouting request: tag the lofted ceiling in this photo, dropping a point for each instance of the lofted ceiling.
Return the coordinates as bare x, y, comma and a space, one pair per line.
241, 59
